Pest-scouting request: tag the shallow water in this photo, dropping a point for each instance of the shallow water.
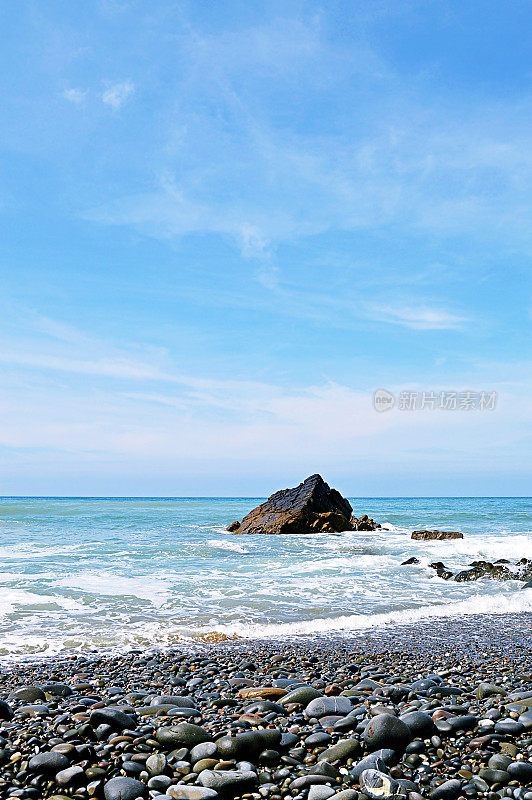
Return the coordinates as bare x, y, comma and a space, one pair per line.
80, 574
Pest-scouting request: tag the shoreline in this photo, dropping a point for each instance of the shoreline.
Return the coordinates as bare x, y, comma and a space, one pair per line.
475, 631
80, 722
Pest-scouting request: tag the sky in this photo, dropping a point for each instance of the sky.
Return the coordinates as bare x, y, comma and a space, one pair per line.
224, 226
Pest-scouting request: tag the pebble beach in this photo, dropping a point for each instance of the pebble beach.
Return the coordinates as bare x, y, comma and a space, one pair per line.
439, 710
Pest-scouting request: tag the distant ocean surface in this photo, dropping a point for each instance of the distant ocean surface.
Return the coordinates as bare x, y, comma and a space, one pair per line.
115, 573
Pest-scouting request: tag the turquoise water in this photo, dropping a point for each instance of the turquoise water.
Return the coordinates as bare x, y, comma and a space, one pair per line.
110, 573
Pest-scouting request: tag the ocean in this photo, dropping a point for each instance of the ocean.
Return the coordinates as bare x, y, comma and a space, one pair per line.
111, 574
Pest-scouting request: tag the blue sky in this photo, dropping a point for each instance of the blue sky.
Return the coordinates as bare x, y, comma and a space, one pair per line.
224, 225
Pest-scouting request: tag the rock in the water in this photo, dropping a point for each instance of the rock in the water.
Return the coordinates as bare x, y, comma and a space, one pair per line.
412, 560
331, 521
364, 523
441, 570
485, 569
310, 507
123, 789
425, 536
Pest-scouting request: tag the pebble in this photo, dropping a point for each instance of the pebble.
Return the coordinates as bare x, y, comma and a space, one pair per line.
123, 789
320, 792
386, 731
48, 762
448, 790
323, 706
181, 792
423, 722
228, 782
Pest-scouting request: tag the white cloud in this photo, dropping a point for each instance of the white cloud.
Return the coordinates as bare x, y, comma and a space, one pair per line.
133, 406
420, 318
76, 96
398, 157
118, 93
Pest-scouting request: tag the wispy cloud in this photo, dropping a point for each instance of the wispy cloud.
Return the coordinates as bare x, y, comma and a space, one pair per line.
420, 318
133, 405
117, 94
76, 96
408, 162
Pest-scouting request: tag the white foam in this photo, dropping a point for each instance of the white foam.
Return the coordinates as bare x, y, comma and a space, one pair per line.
111, 584
390, 527
514, 602
36, 550
227, 544
16, 600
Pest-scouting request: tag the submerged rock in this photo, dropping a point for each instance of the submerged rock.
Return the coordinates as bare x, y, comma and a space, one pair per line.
310, 507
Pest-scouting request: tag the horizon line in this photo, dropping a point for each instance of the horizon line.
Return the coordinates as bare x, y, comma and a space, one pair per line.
258, 497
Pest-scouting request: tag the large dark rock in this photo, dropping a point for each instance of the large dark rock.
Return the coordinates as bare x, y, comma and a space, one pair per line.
308, 508
436, 535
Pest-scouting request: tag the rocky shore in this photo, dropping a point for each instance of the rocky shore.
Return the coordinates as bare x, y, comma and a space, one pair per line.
436, 711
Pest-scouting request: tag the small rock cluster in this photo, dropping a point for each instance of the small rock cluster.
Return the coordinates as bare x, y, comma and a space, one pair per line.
269, 723
427, 536
499, 571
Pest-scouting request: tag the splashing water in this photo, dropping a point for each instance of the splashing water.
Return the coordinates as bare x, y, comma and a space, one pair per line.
82, 574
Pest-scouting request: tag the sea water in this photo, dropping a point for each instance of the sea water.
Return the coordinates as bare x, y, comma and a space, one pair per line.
109, 574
